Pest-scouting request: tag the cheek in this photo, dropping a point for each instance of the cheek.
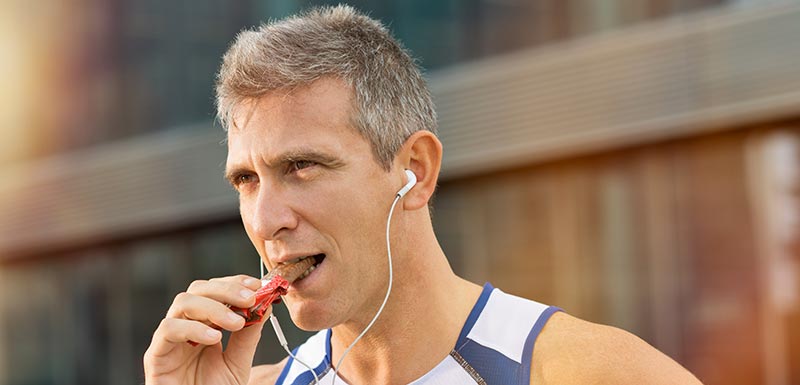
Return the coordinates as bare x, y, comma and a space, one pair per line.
326, 207
351, 216
360, 231
248, 228
245, 212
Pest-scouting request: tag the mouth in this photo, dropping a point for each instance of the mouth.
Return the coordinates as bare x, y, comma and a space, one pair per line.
318, 258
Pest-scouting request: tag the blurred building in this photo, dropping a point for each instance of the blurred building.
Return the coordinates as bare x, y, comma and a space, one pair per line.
634, 162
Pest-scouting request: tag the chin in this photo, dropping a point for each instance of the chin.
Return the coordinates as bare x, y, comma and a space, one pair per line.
310, 317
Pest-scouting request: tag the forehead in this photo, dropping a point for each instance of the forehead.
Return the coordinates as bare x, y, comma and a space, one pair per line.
311, 116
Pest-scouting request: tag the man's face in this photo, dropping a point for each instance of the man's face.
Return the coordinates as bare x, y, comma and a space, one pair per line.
308, 184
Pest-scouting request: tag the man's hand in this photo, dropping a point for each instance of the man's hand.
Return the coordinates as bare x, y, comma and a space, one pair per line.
195, 315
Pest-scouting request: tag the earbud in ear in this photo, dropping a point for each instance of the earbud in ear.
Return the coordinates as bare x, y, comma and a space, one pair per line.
412, 180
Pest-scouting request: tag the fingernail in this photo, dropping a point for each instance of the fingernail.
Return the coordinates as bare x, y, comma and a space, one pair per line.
234, 317
213, 334
246, 293
250, 281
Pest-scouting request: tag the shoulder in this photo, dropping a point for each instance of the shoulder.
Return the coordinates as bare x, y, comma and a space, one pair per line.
266, 374
571, 350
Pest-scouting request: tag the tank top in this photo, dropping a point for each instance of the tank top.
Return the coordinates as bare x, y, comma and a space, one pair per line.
494, 347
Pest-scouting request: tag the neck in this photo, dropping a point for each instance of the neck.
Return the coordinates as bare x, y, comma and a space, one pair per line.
418, 327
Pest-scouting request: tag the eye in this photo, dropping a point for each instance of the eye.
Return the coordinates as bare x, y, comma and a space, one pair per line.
241, 180
300, 165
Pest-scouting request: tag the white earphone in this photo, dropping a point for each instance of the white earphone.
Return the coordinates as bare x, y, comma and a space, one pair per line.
412, 180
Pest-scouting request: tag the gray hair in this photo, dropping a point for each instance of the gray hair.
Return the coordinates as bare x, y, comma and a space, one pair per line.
391, 100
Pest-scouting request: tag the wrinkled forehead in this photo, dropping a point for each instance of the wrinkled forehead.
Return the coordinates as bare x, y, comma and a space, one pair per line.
317, 117
328, 99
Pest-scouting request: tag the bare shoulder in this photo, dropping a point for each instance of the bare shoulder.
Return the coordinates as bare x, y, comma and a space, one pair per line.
573, 351
266, 374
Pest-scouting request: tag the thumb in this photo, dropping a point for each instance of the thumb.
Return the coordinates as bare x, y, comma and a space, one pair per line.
242, 345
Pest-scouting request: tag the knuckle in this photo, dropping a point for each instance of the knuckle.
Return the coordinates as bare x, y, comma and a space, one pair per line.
196, 284
220, 279
182, 297
165, 324
182, 301
148, 356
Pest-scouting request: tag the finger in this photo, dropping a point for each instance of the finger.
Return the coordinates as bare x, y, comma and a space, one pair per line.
237, 291
242, 344
206, 310
175, 331
246, 280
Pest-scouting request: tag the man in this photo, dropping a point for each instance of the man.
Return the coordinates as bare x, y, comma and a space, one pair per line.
325, 113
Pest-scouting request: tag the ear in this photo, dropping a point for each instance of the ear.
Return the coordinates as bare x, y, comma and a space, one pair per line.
422, 154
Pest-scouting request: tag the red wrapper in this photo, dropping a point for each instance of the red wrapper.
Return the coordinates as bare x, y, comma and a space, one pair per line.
265, 296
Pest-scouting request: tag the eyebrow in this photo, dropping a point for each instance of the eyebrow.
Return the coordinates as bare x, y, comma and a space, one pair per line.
288, 157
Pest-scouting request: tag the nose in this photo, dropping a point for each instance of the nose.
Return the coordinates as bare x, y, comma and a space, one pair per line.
272, 214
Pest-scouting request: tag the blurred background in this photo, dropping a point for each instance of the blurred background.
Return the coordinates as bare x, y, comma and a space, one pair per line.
634, 162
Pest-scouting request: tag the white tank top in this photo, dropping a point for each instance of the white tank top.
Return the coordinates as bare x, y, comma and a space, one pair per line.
494, 347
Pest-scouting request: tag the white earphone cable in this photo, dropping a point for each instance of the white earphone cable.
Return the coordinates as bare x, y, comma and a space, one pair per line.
282, 338
386, 298
279, 332
285, 345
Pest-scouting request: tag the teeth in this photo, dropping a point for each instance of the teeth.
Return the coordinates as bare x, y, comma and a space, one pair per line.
296, 260
307, 272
